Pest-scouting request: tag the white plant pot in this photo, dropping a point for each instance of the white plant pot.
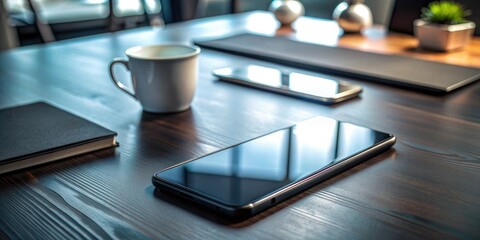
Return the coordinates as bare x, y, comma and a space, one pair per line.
443, 37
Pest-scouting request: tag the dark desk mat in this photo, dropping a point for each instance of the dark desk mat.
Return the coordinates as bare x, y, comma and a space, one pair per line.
396, 70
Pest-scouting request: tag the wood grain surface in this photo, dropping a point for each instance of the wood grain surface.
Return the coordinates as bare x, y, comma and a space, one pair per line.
426, 187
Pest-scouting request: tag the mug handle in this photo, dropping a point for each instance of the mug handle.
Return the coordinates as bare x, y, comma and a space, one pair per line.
118, 83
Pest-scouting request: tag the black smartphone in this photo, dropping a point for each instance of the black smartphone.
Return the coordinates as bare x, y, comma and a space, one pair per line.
295, 84
245, 179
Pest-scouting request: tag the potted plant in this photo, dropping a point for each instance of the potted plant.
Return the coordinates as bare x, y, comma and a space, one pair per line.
443, 27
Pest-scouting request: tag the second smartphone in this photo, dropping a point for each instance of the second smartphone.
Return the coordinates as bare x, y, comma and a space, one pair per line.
295, 84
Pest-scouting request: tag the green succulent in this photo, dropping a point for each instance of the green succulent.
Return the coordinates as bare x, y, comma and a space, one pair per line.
445, 12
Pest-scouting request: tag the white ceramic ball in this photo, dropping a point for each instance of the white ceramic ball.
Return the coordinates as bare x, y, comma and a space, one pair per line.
287, 11
353, 18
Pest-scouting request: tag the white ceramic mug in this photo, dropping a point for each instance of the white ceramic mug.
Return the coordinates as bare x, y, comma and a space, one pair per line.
164, 76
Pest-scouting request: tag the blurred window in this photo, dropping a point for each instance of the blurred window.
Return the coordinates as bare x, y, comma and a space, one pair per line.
58, 11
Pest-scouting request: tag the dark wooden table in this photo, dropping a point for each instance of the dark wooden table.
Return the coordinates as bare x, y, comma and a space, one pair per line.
426, 187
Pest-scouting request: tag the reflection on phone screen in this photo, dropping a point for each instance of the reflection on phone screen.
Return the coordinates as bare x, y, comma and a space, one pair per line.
244, 173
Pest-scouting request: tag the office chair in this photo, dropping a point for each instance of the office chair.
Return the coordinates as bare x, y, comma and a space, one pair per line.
32, 29
30, 17
44, 30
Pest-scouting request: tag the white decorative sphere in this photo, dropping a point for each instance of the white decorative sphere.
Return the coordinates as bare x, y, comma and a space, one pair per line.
287, 11
353, 17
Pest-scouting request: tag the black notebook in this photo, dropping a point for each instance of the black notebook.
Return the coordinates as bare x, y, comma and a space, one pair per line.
396, 70
38, 133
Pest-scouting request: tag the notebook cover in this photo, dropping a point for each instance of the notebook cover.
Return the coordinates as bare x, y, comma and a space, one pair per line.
39, 128
396, 70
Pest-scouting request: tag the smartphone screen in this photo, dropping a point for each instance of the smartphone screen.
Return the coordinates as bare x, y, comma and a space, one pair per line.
291, 83
264, 167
